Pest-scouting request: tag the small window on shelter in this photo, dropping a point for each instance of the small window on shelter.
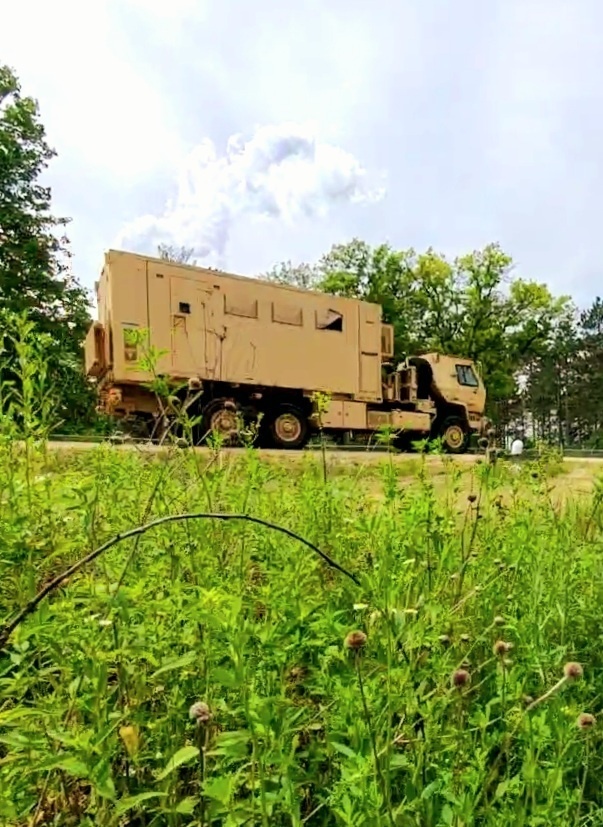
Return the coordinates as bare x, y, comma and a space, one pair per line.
184, 307
466, 376
329, 320
287, 314
240, 305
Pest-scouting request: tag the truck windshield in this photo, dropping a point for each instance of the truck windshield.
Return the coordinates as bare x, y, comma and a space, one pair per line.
466, 376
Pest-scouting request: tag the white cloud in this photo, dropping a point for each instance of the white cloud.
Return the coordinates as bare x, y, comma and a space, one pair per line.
283, 171
99, 109
172, 10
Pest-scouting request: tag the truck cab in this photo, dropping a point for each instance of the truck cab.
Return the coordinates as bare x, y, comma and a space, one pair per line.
447, 388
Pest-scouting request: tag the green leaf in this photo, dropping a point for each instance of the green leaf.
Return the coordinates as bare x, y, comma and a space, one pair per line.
343, 749
176, 663
220, 788
134, 800
224, 677
233, 744
397, 761
187, 806
105, 787
447, 814
69, 764
183, 756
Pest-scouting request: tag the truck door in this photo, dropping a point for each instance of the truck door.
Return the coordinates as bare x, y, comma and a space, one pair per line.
195, 321
369, 345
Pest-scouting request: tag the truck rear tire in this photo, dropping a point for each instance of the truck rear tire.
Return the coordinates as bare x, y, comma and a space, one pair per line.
288, 428
455, 435
220, 416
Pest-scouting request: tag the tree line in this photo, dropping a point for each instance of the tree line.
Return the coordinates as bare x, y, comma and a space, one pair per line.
541, 357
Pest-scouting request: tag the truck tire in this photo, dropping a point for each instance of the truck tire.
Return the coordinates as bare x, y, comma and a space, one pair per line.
288, 428
455, 435
220, 415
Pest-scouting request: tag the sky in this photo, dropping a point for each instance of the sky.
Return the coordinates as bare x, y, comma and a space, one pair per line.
265, 132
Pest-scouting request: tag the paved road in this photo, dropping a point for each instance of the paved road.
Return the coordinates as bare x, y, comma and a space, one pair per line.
366, 456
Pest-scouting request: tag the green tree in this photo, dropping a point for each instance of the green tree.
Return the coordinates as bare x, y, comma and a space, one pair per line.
504, 322
304, 276
589, 385
34, 257
552, 397
179, 255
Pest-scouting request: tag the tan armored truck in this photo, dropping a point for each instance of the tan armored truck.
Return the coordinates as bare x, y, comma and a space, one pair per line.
254, 347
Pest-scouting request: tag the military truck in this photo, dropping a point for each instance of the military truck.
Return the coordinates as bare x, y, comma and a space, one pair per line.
254, 347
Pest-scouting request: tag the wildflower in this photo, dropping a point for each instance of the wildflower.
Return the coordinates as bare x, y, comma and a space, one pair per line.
200, 713
586, 720
501, 647
129, 735
374, 617
460, 678
296, 673
259, 611
355, 640
573, 670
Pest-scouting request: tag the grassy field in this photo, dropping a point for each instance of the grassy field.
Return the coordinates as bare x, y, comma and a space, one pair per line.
220, 672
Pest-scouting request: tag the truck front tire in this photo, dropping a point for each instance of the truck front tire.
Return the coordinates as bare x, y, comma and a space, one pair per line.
288, 428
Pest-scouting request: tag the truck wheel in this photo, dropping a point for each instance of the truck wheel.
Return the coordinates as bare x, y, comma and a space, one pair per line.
220, 416
288, 428
454, 435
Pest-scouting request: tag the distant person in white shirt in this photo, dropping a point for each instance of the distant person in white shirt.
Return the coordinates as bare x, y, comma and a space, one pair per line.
517, 447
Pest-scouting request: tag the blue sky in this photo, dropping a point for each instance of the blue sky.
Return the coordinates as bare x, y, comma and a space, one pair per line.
431, 123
